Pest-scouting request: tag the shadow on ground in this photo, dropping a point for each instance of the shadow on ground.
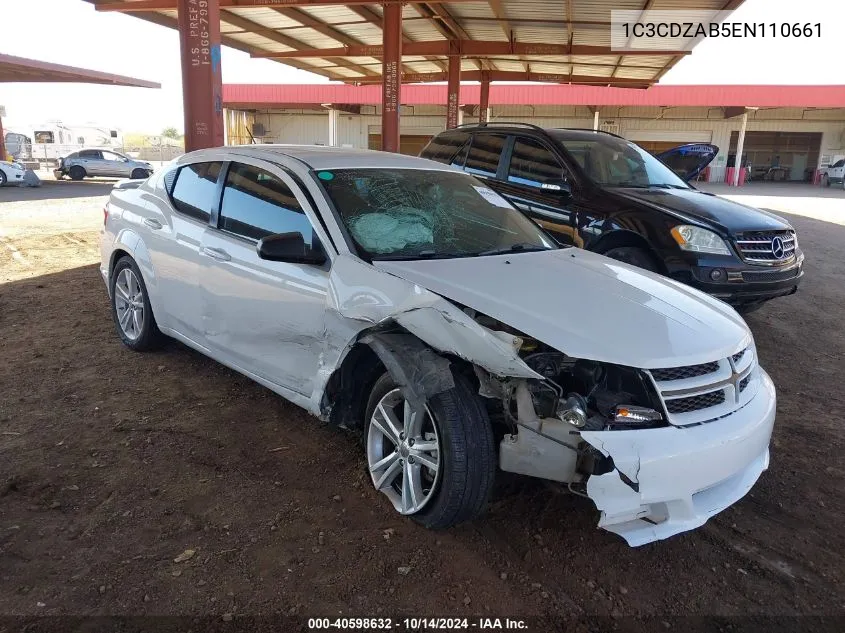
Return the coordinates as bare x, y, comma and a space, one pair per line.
113, 463
58, 189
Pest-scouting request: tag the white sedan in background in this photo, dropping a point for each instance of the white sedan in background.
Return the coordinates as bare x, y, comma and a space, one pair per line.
408, 300
11, 173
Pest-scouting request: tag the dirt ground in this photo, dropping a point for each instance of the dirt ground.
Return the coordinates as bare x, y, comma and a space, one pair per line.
114, 463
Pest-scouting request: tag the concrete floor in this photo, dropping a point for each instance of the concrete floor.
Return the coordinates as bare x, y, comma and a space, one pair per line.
821, 203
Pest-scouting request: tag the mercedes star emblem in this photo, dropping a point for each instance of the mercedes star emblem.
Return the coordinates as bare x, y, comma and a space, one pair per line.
777, 248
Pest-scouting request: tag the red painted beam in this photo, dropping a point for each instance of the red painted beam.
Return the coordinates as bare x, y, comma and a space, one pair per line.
135, 6
453, 92
508, 75
484, 99
464, 48
202, 85
391, 77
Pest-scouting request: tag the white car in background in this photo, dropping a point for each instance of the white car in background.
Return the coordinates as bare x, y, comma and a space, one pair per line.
408, 300
11, 173
835, 174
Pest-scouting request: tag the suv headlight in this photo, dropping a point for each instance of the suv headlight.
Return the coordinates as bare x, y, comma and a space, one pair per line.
696, 239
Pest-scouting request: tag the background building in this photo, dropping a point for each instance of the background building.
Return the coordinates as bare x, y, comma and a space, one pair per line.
791, 131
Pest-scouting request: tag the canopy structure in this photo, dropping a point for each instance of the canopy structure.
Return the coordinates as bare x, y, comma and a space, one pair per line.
19, 69
393, 42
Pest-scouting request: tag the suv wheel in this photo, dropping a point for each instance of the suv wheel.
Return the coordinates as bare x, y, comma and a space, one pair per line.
130, 307
436, 465
633, 255
77, 173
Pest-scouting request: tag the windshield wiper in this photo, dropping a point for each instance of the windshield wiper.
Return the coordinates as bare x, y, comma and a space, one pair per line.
514, 248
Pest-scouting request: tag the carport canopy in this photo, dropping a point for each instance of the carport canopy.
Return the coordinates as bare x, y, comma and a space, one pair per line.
391, 42
20, 69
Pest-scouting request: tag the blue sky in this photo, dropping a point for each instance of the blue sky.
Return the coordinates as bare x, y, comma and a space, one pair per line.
72, 32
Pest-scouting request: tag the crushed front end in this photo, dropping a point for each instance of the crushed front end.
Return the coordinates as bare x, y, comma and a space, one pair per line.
659, 451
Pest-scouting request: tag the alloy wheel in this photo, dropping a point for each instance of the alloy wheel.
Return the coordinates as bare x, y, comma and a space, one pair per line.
403, 452
129, 304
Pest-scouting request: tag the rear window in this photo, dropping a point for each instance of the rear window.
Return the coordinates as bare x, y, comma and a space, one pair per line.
195, 189
444, 147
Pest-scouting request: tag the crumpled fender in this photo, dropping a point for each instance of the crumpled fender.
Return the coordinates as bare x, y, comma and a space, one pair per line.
360, 292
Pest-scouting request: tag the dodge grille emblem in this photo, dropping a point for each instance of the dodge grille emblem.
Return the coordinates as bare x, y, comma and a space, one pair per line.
777, 248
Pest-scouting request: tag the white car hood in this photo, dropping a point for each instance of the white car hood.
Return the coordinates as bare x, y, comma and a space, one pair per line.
587, 306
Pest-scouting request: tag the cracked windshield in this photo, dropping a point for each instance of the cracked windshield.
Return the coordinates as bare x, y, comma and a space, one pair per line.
418, 214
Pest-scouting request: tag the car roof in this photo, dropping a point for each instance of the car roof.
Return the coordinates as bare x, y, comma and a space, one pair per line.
317, 157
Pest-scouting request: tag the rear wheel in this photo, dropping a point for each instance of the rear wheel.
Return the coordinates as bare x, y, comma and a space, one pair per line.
131, 311
2, 178
435, 464
633, 255
77, 173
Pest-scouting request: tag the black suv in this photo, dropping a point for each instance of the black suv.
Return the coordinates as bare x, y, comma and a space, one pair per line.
603, 193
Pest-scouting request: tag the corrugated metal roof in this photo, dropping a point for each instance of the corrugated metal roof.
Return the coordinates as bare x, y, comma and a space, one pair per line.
264, 95
263, 30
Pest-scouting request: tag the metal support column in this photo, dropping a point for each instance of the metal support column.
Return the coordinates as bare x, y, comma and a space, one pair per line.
740, 146
391, 77
202, 85
333, 121
484, 101
2, 141
596, 119
453, 99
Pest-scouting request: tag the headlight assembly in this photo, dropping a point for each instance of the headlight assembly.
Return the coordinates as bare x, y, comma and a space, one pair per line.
698, 240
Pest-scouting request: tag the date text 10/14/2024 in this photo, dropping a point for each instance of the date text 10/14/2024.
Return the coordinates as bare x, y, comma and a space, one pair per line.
417, 624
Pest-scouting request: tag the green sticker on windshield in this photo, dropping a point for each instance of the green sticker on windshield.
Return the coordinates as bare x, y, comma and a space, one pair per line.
325, 175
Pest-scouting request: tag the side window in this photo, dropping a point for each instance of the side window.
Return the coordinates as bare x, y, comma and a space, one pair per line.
110, 156
91, 154
443, 147
533, 164
484, 154
257, 204
195, 188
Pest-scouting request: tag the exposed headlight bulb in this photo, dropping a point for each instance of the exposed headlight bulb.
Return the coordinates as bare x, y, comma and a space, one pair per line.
632, 414
573, 410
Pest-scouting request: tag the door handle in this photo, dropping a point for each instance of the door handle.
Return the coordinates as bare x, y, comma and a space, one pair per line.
216, 253
153, 224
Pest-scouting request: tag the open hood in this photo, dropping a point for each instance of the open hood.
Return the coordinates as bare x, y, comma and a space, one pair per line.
587, 306
689, 160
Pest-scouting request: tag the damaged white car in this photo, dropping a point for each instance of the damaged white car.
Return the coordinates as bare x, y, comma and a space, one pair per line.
403, 298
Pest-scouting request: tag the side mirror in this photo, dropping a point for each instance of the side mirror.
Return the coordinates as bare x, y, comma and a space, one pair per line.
559, 187
291, 248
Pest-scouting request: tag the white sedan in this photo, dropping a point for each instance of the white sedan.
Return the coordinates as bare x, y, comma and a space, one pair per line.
11, 173
408, 301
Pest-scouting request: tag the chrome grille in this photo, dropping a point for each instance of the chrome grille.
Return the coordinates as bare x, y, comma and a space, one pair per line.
694, 403
679, 373
695, 394
760, 247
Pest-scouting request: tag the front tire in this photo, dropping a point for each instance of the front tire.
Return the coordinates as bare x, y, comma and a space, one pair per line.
138, 174
633, 255
436, 465
130, 308
76, 173
2, 178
